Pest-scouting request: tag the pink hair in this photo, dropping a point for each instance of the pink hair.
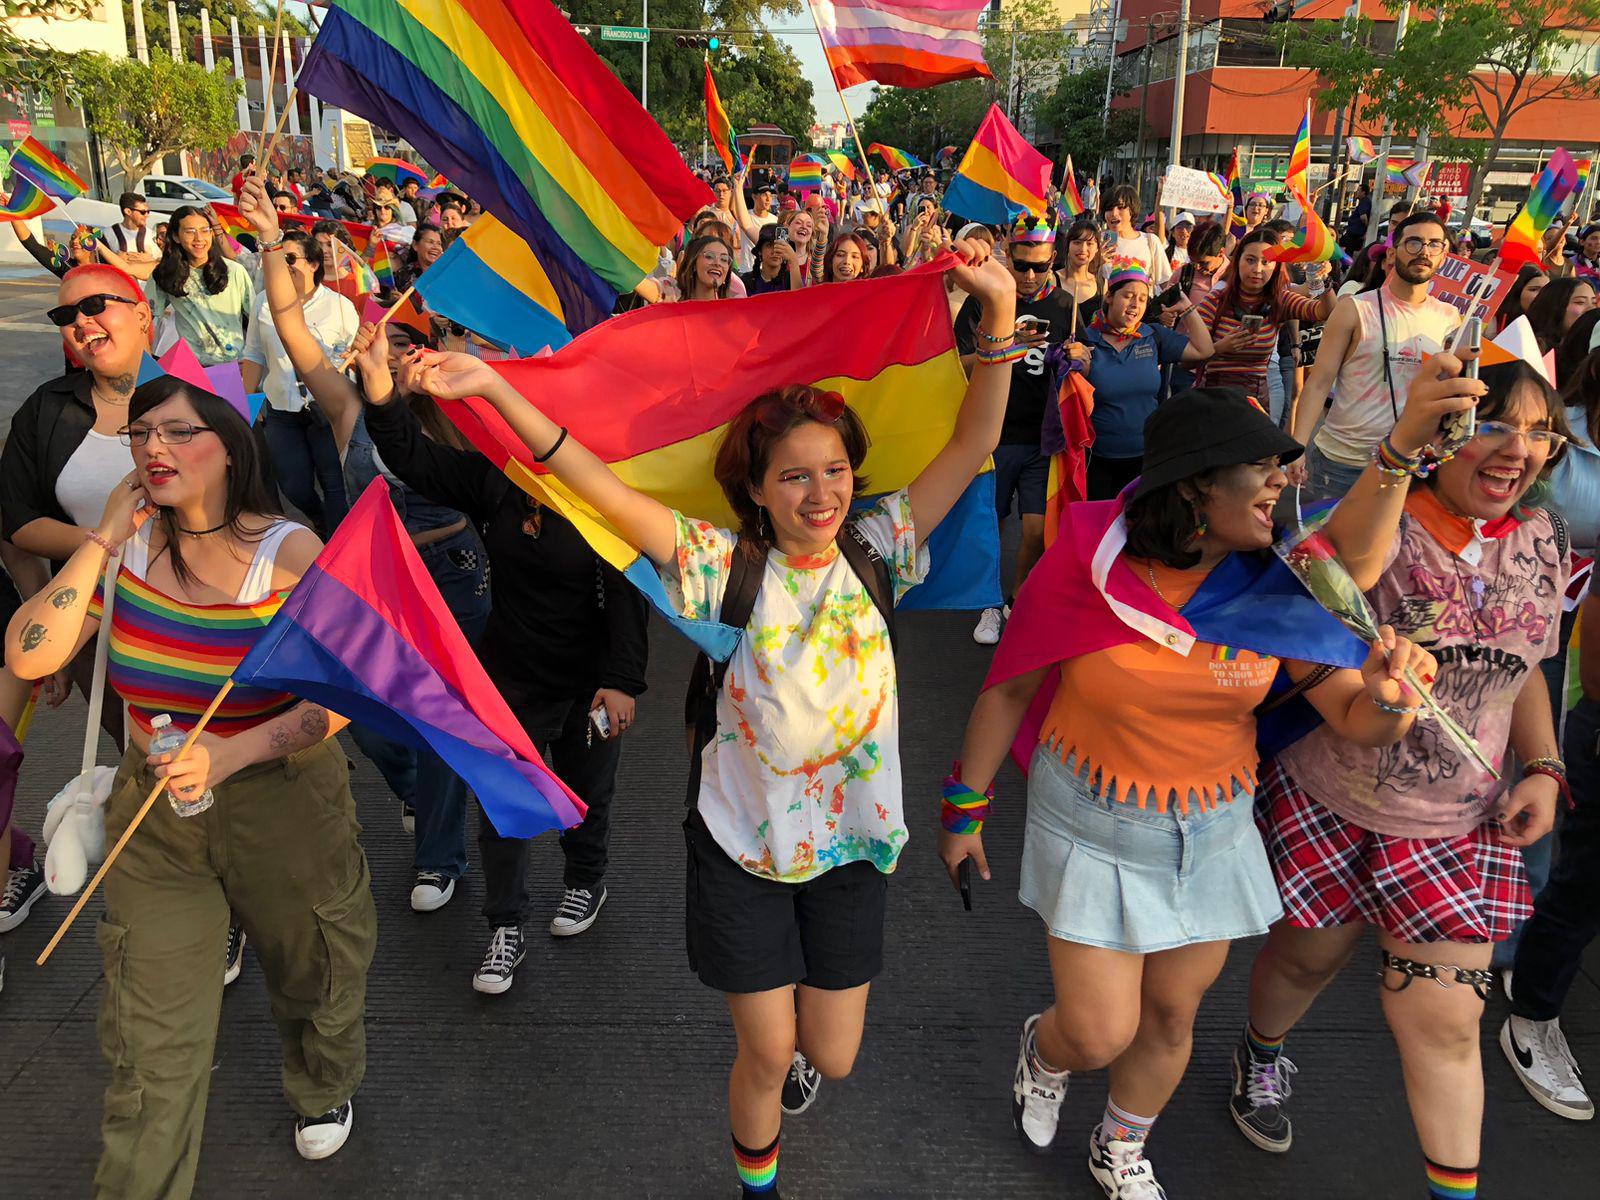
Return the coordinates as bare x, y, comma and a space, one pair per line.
127, 284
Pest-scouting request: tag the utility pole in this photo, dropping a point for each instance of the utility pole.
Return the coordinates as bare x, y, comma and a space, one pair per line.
1380, 182
1144, 111
1111, 62
644, 60
1424, 137
1011, 78
1336, 165
1178, 82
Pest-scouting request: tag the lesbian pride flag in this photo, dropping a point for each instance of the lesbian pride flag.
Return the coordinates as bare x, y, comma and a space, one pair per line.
366, 633
1000, 177
903, 43
45, 171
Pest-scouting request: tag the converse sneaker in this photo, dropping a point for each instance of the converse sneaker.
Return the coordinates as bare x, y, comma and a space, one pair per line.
500, 962
988, 631
1120, 1168
800, 1087
1259, 1091
577, 911
22, 892
1538, 1053
408, 818
235, 961
433, 891
1036, 1094
1505, 983
321, 1137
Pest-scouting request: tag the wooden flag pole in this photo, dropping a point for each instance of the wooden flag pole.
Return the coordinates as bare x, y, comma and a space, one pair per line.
288, 107
161, 786
849, 119
344, 363
270, 85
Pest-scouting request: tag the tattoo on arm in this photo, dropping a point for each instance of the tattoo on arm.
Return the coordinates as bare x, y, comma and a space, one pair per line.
33, 636
286, 737
314, 724
63, 597
280, 740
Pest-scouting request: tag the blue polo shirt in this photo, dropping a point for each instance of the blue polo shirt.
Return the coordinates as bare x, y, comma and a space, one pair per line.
1126, 383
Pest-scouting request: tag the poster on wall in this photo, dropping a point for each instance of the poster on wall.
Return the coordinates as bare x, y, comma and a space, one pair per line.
1477, 289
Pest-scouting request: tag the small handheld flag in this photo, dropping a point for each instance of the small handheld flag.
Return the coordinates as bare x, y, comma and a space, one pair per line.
45, 171
25, 202
1409, 174
1071, 201
1298, 177
1000, 177
1361, 150
381, 261
1235, 181
1313, 242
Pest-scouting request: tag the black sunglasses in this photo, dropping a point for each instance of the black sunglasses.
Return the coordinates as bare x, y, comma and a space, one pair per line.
1030, 268
90, 306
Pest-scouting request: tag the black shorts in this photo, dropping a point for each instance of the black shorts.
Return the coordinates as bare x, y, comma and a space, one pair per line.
749, 934
1023, 474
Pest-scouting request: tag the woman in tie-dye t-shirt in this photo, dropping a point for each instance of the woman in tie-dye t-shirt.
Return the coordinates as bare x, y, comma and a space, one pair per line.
797, 820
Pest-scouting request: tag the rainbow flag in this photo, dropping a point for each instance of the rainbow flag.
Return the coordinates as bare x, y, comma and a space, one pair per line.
719, 127
1298, 177
895, 160
805, 171
1312, 242
1235, 181
439, 181
842, 163
903, 43
510, 102
347, 263
885, 344
25, 202
1523, 242
396, 171
1071, 202
45, 171
1583, 165
490, 281
366, 633
1409, 174
1361, 150
381, 262
1000, 176
234, 223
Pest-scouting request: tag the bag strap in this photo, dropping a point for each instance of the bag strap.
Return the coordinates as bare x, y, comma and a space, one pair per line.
745, 571
102, 648
1563, 533
873, 572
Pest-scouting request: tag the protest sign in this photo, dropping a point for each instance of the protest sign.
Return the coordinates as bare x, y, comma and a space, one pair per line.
1477, 289
1196, 191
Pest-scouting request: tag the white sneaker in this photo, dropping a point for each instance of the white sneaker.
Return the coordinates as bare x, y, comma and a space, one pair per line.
988, 631
1036, 1096
1538, 1053
1120, 1168
321, 1137
234, 962
432, 891
408, 818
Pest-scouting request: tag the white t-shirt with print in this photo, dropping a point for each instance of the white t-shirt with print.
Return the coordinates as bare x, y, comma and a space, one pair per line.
803, 774
1147, 248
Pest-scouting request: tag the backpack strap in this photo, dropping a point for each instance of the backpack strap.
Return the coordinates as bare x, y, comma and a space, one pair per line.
873, 572
745, 571
1563, 533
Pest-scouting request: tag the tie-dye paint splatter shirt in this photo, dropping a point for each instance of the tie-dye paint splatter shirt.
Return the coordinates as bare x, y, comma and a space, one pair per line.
803, 774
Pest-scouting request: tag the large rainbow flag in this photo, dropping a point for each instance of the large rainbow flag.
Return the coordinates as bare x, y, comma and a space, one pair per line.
509, 101
1312, 242
718, 125
672, 377
1298, 177
1523, 243
895, 159
25, 202
903, 43
32, 160
491, 282
1000, 177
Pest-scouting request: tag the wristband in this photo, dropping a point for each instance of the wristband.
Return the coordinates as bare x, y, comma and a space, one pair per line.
90, 535
1551, 768
551, 453
963, 810
264, 247
998, 339
1394, 710
1002, 355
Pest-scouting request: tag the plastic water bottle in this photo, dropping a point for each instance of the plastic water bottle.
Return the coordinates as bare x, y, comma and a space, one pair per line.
168, 740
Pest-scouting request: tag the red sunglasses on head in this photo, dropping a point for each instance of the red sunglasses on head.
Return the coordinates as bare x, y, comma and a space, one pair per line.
826, 407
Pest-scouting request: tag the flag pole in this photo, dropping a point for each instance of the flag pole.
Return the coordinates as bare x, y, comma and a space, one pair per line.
849, 118
270, 85
161, 785
288, 107
349, 358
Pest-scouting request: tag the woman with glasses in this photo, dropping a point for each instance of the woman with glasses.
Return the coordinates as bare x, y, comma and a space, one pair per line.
305, 461
1257, 208
796, 819
705, 270
209, 296
206, 563
1420, 841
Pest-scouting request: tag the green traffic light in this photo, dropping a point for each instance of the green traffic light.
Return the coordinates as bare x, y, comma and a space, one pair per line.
715, 43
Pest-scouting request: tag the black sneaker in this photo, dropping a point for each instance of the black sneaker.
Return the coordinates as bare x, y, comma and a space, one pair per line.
235, 954
22, 892
1258, 1104
577, 911
500, 962
800, 1088
321, 1137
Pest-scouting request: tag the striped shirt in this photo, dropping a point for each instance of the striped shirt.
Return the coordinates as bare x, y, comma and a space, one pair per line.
1246, 367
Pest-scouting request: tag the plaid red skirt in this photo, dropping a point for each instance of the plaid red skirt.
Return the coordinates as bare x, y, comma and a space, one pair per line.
1330, 871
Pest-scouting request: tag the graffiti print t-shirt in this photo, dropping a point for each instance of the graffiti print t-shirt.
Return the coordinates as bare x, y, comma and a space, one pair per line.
1489, 612
803, 774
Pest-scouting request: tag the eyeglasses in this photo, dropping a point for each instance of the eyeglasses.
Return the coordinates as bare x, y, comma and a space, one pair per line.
1030, 268
777, 413
1497, 434
202, 231
1434, 246
90, 306
168, 433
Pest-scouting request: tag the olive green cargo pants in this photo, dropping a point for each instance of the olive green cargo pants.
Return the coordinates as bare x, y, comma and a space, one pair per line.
280, 848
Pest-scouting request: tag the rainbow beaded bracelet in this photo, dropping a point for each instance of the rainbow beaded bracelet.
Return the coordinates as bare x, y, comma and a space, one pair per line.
964, 810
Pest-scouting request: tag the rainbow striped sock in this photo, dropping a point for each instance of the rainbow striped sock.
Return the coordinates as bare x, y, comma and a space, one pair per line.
1119, 1125
758, 1169
1451, 1183
1262, 1048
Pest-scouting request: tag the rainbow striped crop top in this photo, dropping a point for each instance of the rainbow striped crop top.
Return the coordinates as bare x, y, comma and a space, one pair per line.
169, 656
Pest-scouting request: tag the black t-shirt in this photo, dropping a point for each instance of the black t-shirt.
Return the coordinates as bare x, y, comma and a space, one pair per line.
754, 285
1030, 382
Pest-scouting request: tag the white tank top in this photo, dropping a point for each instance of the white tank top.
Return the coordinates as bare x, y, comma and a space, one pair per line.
257, 585
99, 464
1365, 403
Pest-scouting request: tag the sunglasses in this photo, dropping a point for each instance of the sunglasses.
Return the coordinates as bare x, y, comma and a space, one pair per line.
1030, 268
90, 306
292, 259
777, 414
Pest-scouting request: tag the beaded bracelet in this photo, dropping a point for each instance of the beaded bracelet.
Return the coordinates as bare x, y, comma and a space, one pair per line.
1554, 764
1003, 356
994, 339
1395, 710
89, 535
963, 810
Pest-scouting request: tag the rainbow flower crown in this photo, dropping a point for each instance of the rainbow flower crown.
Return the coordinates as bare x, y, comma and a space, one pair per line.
1030, 230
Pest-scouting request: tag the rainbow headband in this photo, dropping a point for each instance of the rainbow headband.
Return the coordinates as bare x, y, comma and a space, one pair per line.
1126, 270
1032, 231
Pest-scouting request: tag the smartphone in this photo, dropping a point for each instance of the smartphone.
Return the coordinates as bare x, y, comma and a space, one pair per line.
1251, 322
1458, 429
1032, 326
600, 721
964, 875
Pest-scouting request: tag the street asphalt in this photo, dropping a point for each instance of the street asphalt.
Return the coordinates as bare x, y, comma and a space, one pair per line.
602, 1072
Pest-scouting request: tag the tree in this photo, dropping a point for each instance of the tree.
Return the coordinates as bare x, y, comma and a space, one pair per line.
1076, 111
924, 120
1025, 45
144, 112
1470, 72
249, 13
25, 63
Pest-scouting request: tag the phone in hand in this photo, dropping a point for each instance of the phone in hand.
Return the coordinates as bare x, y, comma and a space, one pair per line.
600, 720
1030, 328
1251, 323
1457, 429
964, 878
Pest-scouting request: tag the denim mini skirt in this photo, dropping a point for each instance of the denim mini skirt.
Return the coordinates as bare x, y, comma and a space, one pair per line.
1115, 875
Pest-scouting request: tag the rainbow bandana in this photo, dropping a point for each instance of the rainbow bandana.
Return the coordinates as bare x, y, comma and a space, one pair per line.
1033, 231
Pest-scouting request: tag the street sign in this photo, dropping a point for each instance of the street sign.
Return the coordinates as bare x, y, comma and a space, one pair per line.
624, 33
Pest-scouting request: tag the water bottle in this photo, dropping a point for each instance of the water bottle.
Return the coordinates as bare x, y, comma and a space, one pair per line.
167, 740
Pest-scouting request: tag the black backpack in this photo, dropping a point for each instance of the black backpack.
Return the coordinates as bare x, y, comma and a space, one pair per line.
738, 602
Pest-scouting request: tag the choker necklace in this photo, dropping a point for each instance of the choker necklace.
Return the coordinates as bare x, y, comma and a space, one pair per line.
202, 532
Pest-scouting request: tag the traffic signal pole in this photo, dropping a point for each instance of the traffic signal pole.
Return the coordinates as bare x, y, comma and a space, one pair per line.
644, 60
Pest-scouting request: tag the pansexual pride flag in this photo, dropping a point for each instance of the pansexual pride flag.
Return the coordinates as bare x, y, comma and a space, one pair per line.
1312, 242
397, 171
1000, 176
1523, 242
1298, 177
32, 160
366, 633
25, 202
903, 43
895, 159
505, 98
491, 282
672, 376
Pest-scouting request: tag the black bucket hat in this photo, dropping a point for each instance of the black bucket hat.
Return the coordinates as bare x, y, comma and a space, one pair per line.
1205, 428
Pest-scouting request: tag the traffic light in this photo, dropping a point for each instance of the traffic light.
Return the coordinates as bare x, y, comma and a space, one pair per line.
1279, 11
697, 41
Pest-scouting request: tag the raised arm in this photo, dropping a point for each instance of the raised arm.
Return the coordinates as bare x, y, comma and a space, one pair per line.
741, 210
1201, 346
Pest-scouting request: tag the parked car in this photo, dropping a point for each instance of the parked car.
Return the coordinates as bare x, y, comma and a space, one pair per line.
168, 193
